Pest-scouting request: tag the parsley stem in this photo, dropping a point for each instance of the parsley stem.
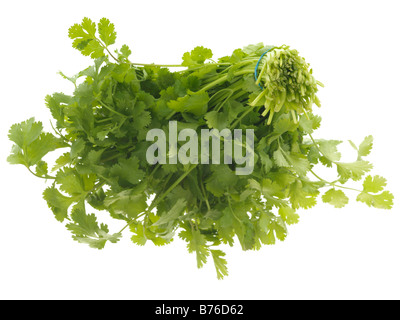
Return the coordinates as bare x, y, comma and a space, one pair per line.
258, 98
158, 65
242, 116
154, 170
59, 133
157, 201
204, 191
261, 74
271, 115
236, 65
294, 116
95, 188
174, 65
111, 109
164, 186
338, 186
312, 139
178, 181
42, 177
109, 52
230, 207
216, 82
318, 177
224, 78
118, 155
202, 66
252, 106
332, 183
111, 55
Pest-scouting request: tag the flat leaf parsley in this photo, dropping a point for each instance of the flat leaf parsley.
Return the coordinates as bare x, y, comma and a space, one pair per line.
100, 133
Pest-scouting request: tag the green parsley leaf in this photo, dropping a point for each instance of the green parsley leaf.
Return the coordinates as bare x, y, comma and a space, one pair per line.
383, 200
365, 147
374, 184
337, 198
31, 143
58, 203
352, 170
220, 263
172, 214
195, 104
85, 229
197, 56
107, 32
300, 198
289, 215
196, 243
127, 171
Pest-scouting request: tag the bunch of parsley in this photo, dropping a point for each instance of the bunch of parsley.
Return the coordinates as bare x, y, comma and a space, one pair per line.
101, 131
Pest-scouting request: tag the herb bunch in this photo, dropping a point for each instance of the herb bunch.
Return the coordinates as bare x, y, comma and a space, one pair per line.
100, 130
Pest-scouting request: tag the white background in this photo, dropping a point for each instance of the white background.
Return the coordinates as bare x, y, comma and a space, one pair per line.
350, 253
